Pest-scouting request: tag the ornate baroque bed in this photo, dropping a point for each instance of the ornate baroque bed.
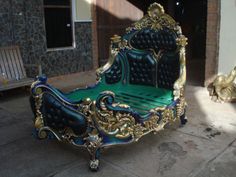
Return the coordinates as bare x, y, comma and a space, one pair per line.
138, 91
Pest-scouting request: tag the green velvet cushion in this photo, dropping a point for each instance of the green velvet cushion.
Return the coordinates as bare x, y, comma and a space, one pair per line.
138, 97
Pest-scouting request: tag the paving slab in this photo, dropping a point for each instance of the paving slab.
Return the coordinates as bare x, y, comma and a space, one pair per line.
222, 166
69, 82
17, 105
16, 132
81, 171
208, 119
167, 154
16, 121
234, 143
35, 158
7, 118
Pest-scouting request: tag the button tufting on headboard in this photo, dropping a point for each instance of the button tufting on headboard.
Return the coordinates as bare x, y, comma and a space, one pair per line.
158, 67
142, 67
114, 74
167, 70
157, 40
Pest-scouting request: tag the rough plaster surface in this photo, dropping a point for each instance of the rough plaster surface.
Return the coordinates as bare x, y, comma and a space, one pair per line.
227, 49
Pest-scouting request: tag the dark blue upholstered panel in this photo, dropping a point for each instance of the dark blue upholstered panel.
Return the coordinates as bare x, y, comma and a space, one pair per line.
142, 68
168, 69
56, 115
157, 40
114, 73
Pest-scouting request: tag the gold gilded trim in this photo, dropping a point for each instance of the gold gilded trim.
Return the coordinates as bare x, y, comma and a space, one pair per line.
179, 83
39, 117
123, 125
113, 51
223, 88
39, 123
156, 18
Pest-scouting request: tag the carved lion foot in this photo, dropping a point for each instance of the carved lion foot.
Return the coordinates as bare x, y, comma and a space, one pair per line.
94, 165
183, 119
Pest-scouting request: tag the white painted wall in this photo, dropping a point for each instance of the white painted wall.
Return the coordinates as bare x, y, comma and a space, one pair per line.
227, 50
82, 10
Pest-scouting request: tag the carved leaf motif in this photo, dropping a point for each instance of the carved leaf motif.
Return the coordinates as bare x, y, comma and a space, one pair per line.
156, 19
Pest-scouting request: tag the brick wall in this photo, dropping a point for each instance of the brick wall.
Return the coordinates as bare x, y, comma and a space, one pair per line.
212, 40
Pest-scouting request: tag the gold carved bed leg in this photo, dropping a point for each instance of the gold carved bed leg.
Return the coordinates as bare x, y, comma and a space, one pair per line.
93, 144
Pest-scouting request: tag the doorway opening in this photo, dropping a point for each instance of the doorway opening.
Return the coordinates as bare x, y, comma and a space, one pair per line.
192, 16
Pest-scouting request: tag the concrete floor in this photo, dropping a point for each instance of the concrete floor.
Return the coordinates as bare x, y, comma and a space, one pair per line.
205, 147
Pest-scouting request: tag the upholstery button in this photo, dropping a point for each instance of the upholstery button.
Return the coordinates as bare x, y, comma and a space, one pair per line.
58, 111
60, 125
